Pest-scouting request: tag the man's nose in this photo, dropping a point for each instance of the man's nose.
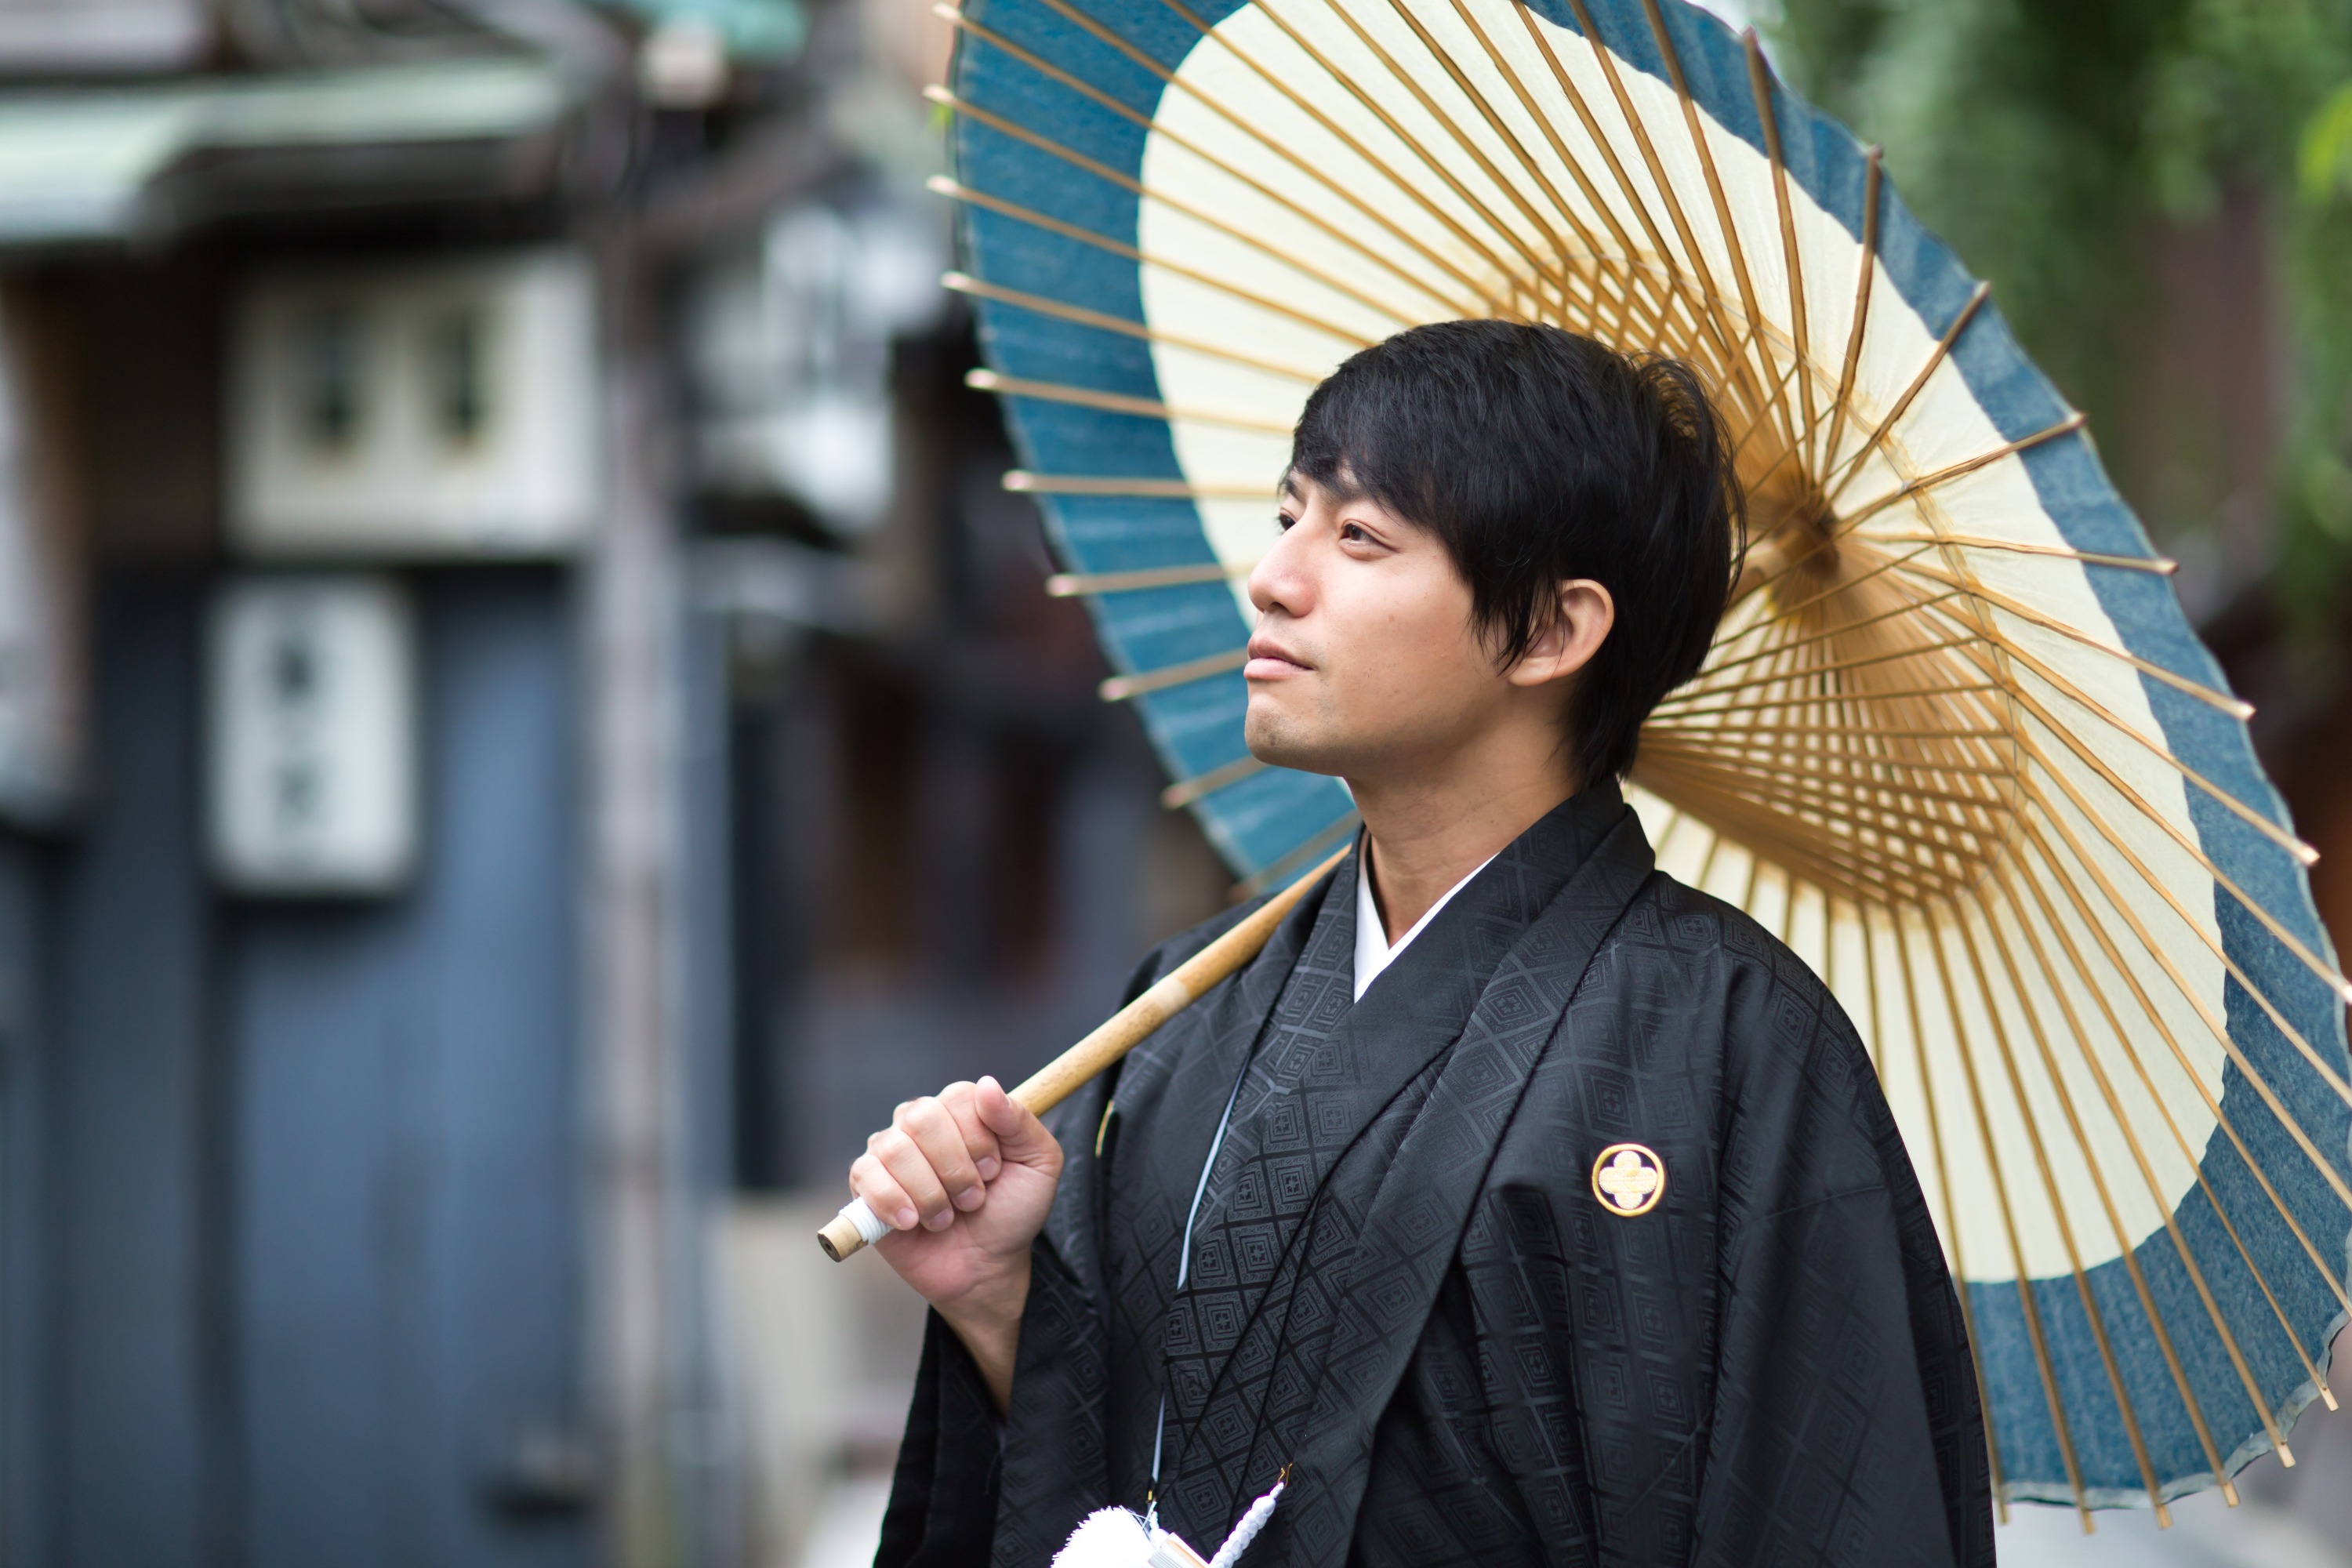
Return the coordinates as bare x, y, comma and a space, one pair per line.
1278, 580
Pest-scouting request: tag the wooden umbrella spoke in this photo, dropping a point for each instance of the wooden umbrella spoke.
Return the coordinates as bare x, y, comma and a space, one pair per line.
2034, 1332
1184, 792
1025, 482
1119, 688
1572, 163
1759, 86
2303, 854
2327, 1074
2149, 1009
2189, 993
1951, 1213
1078, 315
1727, 230
1638, 129
1281, 255
1842, 474
1354, 201
1282, 868
1820, 699
2236, 708
1031, 215
2033, 1124
1909, 489
1072, 584
1411, 190
1114, 401
1369, 103
2155, 564
2023, 871
2160, 1199
1858, 324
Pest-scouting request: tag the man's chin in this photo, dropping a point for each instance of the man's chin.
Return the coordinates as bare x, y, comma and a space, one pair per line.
1273, 741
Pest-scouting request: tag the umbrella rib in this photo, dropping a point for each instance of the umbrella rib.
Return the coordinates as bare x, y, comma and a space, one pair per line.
2049, 1188
1700, 319
963, 283
1119, 688
1516, 197
1951, 1212
1845, 471
2149, 1009
2278, 834
1184, 792
2032, 1309
1025, 482
2058, 1207
1725, 230
2236, 708
1118, 41
1886, 881
1575, 167
1865, 271
1887, 821
1510, 237
2172, 1124
2295, 1036
1985, 805
1760, 83
1032, 217
1110, 176
1742, 371
1112, 402
1958, 470
2156, 565
1818, 700
1393, 229
1723, 640
1704, 688
2220, 1028
2302, 853
1074, 584
1413, 192
2155, 1192
1282, 865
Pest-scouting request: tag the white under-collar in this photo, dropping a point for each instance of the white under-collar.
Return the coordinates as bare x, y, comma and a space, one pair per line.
1373, 952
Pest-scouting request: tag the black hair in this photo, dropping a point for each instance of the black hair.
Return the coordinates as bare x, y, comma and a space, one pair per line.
1536, 455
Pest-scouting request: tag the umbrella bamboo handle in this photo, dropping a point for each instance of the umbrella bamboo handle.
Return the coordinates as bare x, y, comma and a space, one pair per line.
856, 1226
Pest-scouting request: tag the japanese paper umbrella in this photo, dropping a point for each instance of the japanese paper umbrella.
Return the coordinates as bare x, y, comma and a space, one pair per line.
1955, 742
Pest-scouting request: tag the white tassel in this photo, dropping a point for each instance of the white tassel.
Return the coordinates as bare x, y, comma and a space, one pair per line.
1246, 1530
1114, 1538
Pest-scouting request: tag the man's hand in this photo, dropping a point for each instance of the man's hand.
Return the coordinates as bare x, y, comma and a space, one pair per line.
964, 1180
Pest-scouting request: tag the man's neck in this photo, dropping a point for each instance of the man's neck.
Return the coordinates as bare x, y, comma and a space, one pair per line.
1424, 839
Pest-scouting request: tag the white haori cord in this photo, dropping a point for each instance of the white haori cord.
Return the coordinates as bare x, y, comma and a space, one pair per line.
1115, 1538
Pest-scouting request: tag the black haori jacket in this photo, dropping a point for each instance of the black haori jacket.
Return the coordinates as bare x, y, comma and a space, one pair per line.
1409, 1282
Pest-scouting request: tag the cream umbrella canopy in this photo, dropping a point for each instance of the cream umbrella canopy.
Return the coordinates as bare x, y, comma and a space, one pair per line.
1955, 744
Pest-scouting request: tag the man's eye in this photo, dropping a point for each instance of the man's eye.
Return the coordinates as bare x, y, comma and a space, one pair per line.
1285, 522
1354, 533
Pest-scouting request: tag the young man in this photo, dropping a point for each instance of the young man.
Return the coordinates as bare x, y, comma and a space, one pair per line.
1531, 1207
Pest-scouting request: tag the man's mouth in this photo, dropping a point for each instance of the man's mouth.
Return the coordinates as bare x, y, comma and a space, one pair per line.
1269, 660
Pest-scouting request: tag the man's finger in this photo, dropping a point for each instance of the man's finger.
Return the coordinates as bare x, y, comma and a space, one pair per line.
911, 1169
871, 1180
940, 1136
962, 1102
1020, 1136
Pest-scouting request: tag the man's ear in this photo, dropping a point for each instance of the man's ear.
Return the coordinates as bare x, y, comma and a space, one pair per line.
1574, 632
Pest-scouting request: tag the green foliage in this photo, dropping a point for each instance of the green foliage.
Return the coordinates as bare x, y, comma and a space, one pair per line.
2050, 141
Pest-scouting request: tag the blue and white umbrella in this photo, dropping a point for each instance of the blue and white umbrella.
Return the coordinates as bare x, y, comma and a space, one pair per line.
1955, 742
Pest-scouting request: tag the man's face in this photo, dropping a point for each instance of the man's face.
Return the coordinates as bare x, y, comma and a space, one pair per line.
1365, 661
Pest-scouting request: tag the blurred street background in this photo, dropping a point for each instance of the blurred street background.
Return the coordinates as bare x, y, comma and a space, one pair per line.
527, 721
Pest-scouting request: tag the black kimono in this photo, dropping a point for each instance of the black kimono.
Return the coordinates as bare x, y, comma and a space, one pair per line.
1406, 1282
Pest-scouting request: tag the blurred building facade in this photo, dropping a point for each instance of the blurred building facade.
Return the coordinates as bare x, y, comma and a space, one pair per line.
527, 723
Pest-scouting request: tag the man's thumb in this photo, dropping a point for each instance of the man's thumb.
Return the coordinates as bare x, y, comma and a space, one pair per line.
1019, 1134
